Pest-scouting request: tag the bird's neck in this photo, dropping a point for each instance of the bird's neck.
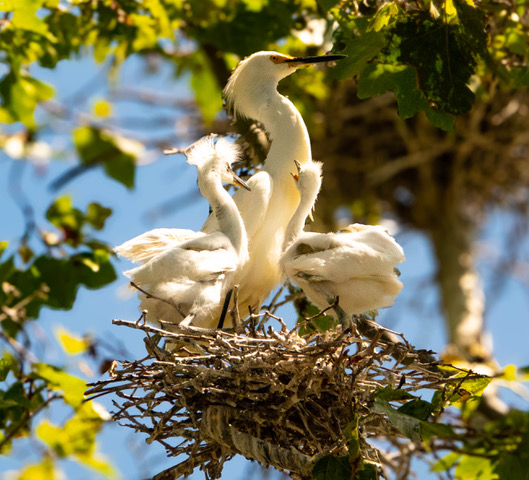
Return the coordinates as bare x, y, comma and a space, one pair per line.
226, 212
288, 134
297, 222
260, 100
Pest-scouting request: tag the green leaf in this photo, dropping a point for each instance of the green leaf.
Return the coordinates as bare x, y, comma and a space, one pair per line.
388, 394
473, 20
98, 147
6, 363
206, 88
71, 387
20, 94
326, 5
386, 16
94, 269
368, 472
70, 220
332, 468
417, 408
376, 79
475, 468
437, 430
25, 16
444, 61
77, 438
512, 467
446, 462
520, 76
359, 50
121, 167
409, 426
3, 246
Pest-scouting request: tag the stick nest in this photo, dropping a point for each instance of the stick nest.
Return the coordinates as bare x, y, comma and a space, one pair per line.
282, 399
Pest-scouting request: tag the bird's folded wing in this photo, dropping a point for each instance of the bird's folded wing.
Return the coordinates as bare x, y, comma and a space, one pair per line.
340, 264
148, 245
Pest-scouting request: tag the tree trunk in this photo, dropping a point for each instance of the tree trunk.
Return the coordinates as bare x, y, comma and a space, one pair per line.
462, 299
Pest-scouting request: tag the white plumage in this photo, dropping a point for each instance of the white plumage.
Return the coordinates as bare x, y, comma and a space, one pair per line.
252, 92
356, 265
193, 271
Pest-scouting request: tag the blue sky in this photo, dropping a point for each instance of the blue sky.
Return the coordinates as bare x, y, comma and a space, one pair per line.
415, 312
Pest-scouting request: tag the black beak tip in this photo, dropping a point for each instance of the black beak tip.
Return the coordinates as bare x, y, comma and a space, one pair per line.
316, 59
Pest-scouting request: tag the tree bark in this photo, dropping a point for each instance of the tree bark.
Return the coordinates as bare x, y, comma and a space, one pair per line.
462, 298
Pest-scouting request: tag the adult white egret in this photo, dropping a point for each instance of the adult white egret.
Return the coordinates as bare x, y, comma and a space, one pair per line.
357, 266
252, 92
192, 272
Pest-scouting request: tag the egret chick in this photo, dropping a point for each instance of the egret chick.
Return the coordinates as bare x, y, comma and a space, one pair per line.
251, 92
193, 276
356, 266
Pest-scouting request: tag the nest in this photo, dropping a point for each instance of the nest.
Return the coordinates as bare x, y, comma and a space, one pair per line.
274, 396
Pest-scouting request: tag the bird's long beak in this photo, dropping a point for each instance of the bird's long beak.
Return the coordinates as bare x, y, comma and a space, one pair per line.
300, 61
298, 168
236, 180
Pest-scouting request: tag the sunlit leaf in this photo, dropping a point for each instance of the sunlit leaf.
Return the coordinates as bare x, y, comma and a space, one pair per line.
20, 94
446, 462
72, 344
6, 363
475, 468
40, 471
509, 373
3, 246
207, 89
102, 108
25, 16
71, 387
77, 438
359, 50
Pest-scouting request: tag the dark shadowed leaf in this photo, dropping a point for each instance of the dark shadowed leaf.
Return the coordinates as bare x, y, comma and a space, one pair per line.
332, 468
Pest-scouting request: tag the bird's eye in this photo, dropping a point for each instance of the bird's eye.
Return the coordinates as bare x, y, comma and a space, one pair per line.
274, 58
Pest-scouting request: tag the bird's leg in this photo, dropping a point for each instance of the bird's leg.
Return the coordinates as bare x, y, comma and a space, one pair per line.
224, 309
234, 312
150, 295
342, 316
143, 318
186, 322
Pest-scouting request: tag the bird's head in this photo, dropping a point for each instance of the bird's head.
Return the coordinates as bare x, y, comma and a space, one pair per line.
216, 158
309, 177
308, 181
260, 72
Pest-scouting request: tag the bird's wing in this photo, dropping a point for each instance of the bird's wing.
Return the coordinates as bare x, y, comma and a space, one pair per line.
146, 246
201, 259
252, 205
377, 238
320, 257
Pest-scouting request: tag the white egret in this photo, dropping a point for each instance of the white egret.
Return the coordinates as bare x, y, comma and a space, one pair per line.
192, 272
252, 92
357, 266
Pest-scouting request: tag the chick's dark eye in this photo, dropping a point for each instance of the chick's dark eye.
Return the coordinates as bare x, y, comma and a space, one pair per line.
273, 58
